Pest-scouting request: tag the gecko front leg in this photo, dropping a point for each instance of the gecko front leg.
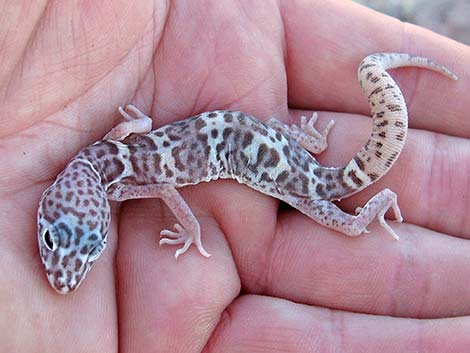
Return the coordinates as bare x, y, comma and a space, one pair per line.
187, 232
307, 136
138, 124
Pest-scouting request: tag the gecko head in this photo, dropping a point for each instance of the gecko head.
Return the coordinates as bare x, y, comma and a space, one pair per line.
73, 223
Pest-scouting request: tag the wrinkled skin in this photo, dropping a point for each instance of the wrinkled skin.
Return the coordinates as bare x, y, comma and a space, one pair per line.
66, 69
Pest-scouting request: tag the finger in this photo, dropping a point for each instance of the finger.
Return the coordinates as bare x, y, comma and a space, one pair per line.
421, 275
33, 314
431, 176
263, 324
306, 262
322, 61
178, 301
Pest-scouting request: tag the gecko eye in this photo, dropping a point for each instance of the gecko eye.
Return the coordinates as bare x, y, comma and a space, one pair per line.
48, 240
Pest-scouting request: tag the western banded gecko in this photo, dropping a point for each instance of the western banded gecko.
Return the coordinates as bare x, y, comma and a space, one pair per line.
132, 161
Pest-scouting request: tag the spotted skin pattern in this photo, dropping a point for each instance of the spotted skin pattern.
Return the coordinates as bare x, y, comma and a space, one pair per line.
134, 162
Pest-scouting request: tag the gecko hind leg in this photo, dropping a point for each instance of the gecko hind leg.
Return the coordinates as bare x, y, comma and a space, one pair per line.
328, 214
138, 123
187, 232
307, 136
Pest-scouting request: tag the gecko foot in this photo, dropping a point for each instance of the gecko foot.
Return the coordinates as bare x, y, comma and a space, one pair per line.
396, 210
139, 123
182, 236
307, 126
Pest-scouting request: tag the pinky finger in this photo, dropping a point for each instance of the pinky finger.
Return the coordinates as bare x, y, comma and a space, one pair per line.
265, 324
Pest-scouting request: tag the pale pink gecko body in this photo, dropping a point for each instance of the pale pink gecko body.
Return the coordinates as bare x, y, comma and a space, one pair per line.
273, 158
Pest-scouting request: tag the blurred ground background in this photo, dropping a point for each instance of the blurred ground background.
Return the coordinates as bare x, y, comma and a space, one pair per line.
448, 17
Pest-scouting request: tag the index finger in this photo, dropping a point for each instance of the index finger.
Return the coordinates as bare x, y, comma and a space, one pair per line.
326, 41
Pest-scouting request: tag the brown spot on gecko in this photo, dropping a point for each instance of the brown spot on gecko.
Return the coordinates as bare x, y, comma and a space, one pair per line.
304, 181
78, 232
148, 142
355, 178
68, 196
220, 146
359, 163
236, 137
273, 160
207, 152
156, 163
247, 139
399, 124
262, 150
178, 162
203, 138
228, 117
174, 137
375, 91
286, 151
214, 133
212, 115
241, 118
91, 224
117, 171
260, 129
78, 265
265, 177
180, 180
168, 172
366, 66
282, 176
200, 123
391, 159
319, 190
226, 133
394, 107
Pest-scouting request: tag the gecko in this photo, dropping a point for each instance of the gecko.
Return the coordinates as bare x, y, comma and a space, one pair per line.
274, 158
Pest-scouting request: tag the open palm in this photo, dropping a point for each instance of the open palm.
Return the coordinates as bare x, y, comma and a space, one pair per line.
276, 280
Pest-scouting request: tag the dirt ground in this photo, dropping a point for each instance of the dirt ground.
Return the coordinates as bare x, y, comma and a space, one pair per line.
448, 17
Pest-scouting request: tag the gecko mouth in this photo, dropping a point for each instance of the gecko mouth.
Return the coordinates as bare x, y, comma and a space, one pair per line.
68, 284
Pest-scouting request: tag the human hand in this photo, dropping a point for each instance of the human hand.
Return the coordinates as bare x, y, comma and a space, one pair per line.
276, 280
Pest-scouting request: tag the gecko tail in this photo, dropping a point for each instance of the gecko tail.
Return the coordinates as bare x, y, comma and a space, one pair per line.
389, 119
